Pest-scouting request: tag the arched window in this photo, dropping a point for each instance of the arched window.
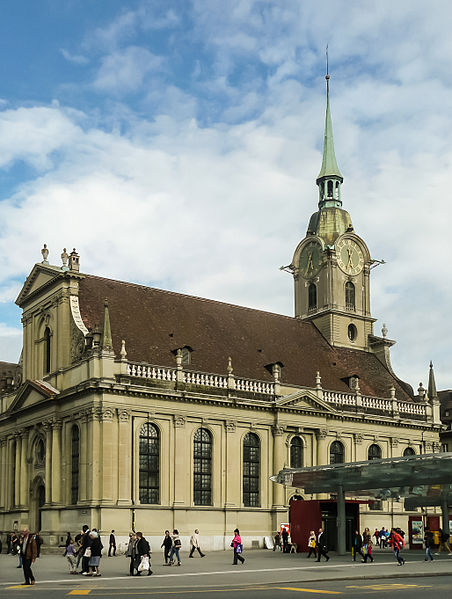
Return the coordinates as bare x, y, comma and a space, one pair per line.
202, 467
374, 452
296, 452
47, 352
40, 453
330, 189
251, 470
349, 295
312, 296
75, 463
352, 332
149, 481
336, 453
408, 451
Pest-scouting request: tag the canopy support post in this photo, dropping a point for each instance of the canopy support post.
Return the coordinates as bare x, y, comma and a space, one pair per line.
341, 528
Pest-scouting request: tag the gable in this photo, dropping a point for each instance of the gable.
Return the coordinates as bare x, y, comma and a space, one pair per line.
40, 277
303, 400
32, 393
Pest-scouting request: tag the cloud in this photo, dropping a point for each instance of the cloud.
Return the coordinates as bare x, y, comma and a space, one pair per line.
10, 343
78, 59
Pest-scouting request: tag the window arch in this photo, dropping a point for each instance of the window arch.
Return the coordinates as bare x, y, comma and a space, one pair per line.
336, 453
296, 452
312, 296
75, 463
39, 452
251, 470
202, 467
149, 477
352, 332
408, 451
47, 350
349, 295
374, 452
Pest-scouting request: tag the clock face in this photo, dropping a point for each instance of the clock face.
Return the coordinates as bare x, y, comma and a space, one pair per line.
349, 256
310, 259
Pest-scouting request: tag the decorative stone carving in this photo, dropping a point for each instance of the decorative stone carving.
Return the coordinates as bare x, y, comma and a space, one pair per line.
57, 424
428, 447
179, 421
123, 353
322, 434
107, 415
384, 330
230, 370
45, 254
65, 259
436, 447
124, 416
394, 442
277, 430
358, 438
230, 426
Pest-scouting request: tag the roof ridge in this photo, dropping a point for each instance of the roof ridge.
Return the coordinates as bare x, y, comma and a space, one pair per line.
196, 297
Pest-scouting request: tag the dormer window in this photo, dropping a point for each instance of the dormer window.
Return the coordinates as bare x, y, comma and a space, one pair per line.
186, 355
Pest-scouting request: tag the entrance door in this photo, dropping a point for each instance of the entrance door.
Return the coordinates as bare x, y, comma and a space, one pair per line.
41, 493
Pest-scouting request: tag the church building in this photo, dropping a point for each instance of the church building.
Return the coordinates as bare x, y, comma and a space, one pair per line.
136, 408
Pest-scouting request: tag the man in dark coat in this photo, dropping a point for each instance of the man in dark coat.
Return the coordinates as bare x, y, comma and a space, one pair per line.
86, 542
285, 540
143, 549
357, 545
322, 545
112, 544
28, 552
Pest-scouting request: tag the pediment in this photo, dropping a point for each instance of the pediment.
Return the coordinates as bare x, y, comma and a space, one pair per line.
41, 276
32, 393
303, 400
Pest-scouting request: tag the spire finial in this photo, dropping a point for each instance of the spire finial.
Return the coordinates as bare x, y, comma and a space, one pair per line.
432, 393
327, 76
107, 343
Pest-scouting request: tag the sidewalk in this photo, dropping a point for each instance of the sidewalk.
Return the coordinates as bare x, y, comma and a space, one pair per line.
262, 566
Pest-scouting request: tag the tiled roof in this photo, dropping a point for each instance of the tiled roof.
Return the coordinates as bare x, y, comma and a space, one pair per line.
155, 322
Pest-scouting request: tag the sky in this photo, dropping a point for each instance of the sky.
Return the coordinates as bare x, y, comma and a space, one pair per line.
176, 143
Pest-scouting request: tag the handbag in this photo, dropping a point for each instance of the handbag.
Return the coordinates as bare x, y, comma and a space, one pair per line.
239, 548
144, 564
87, 552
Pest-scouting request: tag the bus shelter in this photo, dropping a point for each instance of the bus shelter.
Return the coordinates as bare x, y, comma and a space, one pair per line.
411, 477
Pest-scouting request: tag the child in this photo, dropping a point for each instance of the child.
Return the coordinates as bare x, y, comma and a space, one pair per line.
70, 555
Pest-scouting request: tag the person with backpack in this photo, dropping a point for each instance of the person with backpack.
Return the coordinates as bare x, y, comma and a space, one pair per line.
397, 542
177, 544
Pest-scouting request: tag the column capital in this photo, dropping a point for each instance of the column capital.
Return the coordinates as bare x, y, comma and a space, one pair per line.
277, 430
107, 415
124, 416
57, 424
230, 426
179, 421
322, 433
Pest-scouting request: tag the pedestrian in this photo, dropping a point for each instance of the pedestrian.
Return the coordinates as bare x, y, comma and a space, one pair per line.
285, 540
70, 552
429, 543
38, 542
194, 544
177, 544
322, 546
131, 552
367, 545
236, 544
377, 537
443, 541
382, 538
17, 540
112, 544
85, 549
397, 542
96, 553
167, 543
66, 542
357, 548
78, 548
311, 544
28, 551
143, 551
277, 541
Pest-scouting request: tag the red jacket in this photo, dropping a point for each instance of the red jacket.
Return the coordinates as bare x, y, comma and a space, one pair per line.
396, 540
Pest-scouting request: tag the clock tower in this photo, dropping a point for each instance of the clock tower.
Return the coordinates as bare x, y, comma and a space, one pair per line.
331, 265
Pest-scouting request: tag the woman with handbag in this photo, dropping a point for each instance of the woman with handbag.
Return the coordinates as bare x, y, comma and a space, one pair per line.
312, 544
177, 544
96, 553
143, 551
236, 544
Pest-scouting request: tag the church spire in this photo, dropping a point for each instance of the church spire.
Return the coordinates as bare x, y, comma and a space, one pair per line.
432, 393
330, 178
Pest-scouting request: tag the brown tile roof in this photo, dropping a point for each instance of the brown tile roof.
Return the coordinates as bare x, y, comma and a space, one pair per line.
155, 322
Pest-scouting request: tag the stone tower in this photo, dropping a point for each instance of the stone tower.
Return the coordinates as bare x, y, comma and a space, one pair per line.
331, 265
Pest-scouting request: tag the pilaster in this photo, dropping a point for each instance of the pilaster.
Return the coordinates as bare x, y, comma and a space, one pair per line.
233, 450
124, 457
56, 461
24, 478
278, 464
182, 468
322, 447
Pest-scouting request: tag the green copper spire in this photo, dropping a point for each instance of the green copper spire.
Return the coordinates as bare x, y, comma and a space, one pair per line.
330, 177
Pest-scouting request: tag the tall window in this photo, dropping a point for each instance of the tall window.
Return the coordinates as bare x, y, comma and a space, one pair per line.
149, 480
202, 467
336, 453
47, 350
75, 461
312, 297
251, 470
408, 451
374, 452
349, 295
296, 453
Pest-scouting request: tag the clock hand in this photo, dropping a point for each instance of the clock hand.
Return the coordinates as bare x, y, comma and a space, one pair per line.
349, 263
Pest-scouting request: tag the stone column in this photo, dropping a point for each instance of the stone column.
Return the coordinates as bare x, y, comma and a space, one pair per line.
56, 461
278, 464
322, 454
48, 463
17, 469
24, 479
82, 424
341, 528
125, 458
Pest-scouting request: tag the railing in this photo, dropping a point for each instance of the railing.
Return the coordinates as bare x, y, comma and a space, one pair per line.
255, 386
151, 372
412, 408
342, 399
209, 380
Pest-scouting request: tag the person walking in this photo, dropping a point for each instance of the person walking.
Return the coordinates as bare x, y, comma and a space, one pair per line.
96, 553
397, 542
85, 549
70, 552
367, 545
312, 544
285, 540
322, 546
112, 544
357, 545
143, 550
131, 552
236, 544
167, 543
194, 544
444, 541
277, 541
28, 551
177, 544
429, 543
66, 542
